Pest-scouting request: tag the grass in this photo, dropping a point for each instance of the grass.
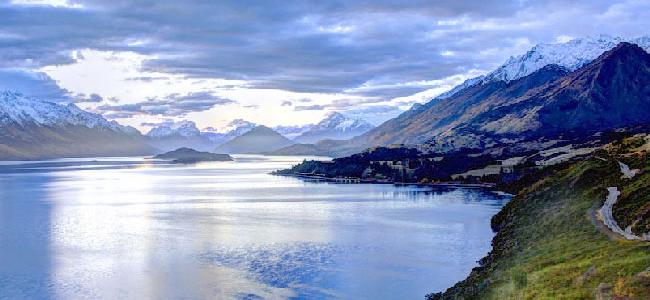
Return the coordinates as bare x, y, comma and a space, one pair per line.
549, 248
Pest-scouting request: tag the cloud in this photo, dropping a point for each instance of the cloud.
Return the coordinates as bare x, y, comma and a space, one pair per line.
82, 98
310, 107
164, 122
308, 46
171, 105
119, 115
369, 55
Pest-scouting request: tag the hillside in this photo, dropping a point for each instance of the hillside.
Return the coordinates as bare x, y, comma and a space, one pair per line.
611, 91
260, 139
550, 245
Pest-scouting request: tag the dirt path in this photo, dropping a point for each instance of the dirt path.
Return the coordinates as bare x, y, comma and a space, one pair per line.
593, 217
603, 218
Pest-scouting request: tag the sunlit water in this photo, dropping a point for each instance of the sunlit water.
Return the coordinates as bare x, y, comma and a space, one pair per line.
138, 229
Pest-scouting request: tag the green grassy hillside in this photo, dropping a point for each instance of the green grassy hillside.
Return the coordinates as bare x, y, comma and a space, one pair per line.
550, 246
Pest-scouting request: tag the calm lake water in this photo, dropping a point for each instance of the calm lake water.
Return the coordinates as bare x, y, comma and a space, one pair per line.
129, 228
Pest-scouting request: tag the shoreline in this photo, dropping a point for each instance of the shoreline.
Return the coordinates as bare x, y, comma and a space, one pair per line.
378, 181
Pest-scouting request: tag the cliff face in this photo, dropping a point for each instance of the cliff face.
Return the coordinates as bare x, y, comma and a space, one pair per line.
550, 245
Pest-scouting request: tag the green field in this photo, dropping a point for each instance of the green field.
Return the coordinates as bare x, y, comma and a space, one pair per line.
549, 245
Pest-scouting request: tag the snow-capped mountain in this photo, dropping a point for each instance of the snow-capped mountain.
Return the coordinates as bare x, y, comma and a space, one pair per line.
571, 55
335, 126
182, 128
15, 108
35, 129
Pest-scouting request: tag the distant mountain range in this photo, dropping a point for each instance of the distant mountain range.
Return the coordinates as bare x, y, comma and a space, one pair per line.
170, 136
173, 135
260, 139
36, 129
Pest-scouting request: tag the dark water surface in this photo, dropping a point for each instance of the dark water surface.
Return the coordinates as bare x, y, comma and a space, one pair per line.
129, 228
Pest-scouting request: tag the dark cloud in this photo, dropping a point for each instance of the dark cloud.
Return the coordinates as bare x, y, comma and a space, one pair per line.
82, 98
286, 103
309, 46
310, 107
166, 122
33, 84
171, 105
119, 115
147, 78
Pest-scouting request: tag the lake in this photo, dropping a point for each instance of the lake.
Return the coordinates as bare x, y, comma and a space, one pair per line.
132, 228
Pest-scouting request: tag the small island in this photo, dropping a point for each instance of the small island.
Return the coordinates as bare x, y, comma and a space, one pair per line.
187, 155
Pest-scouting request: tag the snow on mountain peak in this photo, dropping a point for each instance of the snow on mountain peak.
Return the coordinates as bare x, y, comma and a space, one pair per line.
15, 108
336, 120
571, 55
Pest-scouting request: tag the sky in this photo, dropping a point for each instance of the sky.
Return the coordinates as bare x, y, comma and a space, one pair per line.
277, 62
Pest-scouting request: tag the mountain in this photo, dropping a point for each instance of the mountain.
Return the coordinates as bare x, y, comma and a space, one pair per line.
335, 126
170, 136
422, 123
36, 129
611, 92
260, 139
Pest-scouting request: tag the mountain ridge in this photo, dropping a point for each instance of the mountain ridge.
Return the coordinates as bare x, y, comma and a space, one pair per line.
260, 139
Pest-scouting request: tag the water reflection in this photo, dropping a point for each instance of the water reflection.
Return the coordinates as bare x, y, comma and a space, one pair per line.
134, 228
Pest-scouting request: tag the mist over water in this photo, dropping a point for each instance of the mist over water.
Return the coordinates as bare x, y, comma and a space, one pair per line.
131, 228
